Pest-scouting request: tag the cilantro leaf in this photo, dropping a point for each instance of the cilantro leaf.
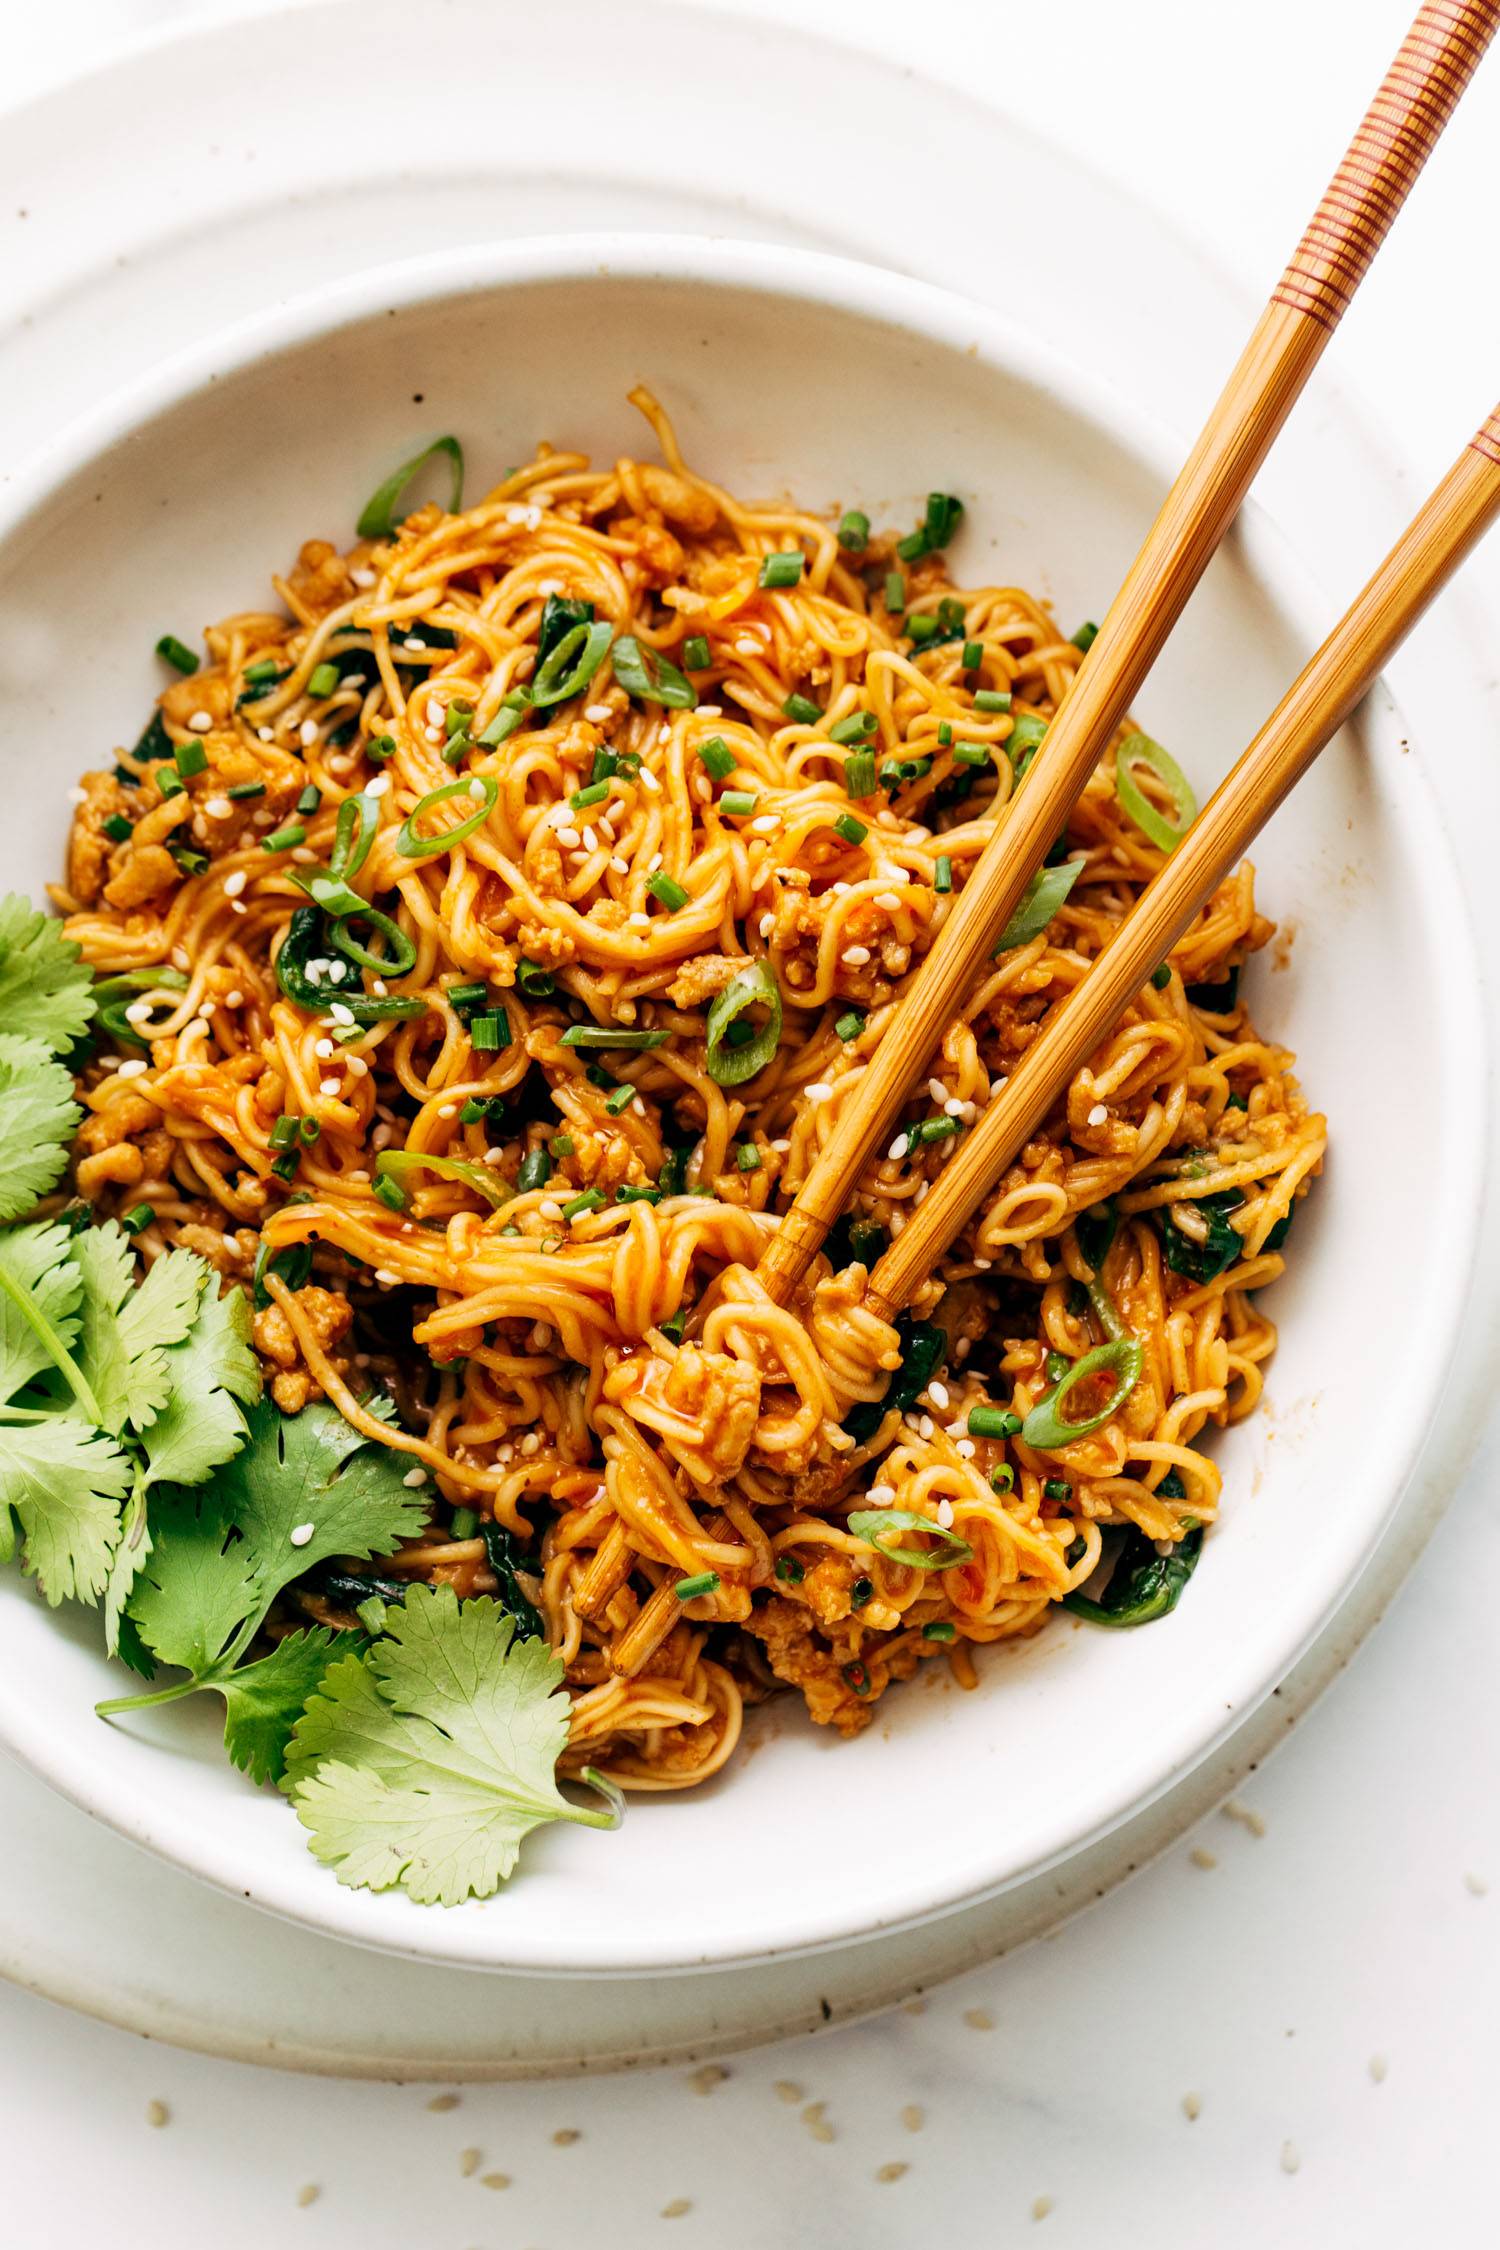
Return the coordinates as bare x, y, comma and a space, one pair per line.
263, 1701
123, 1330
38, 1116
44, 987
426, 1761
64, 1482
223, 1552
39, 1291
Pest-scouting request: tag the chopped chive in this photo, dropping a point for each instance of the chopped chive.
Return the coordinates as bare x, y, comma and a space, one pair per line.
322, 680
718, 757
1056, 1365
261, 672
671, 893
991, 699
749, 1158
463, 1523
606, 765
992, 1421
1057, 1488
170, 784
285, 1167
942, 874
389, 1191
971, 754
310, 798
630, 1194
283, 1132
853, 831
782, 570
453, 749
473, 1111
309, 1130
190, 758
688, 1589
535, 1172
561, 1144
590, 1200
912, 547
244, 790
940, 1630
895, 591
117, 828
697, 656
620, 1099
859, 774
137, 1220
284, 839
380, 747
802, 710
935, 1129
178, 655
536, 982
1085, 637
861, 1592
854, 531
921, 625
973, 655
738, 801
789, 1570
849, 1025
1161, 975
612, 1035
853, 729
513, 708
594, 794
467, 995
457, 716
945, 735
1003, 1479
488, 1034
191, 863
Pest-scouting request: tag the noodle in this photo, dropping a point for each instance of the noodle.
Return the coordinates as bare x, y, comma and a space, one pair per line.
604, 1379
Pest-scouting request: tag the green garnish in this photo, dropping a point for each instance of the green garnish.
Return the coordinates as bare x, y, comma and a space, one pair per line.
802, 710
753, 987
489, 1033
718, 757
284, 839
992, 699
190, 758
412, 846
1161, 976
1040, 900
179, 656
1047, 1427
854, 531
859, 774
612, 1035
322, 680
645, 673
1160, 829
670, 892
738, 802
379, 516
572, 664
853, 831
396, 1165
993, 1422
1085, 637
942, 873
781, 570
876, 1525
697, 656
853, 728
689, 1589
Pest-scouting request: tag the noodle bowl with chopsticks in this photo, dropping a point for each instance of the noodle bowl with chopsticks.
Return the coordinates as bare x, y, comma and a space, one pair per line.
507, 917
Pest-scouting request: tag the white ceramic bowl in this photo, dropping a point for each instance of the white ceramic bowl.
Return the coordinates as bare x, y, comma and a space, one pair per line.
790, 372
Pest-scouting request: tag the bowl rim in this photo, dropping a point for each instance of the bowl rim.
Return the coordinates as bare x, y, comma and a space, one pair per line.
466, 1936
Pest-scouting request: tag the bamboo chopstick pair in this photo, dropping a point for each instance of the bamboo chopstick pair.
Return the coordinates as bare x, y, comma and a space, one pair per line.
1398, 133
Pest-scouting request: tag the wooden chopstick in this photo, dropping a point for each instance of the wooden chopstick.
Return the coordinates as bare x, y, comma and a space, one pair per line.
1436, 60
1461, 509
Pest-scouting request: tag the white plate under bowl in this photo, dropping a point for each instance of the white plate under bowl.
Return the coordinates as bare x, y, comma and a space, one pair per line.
789, 372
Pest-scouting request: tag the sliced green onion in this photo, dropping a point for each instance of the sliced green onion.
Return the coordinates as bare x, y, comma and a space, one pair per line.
262, 672
118, 829
535, 1172
513, 709
137, 1220
853, 728
992, 1421
738, 801
971, 754
688, 1589
467, 995
388, 1191
1024, 740
991, 699
638, 1195
1003, 1479
309, 1129
594, 794
853, 831
412, 846
463, 1524
457, 716
620, 1100
378, 517
670, 892
284, 839
1057, 1488
945, 735
1140, 750
849, 1025
490, 1033
645, 673
1046, 1427
322, 680
697, 656
859, 774
973, 655
179, 656
612, 1035
190, 758
398, 1164
1055, 1366
781, 570
1161, 976
754, 987
854, 531
1085, 637
940, 1630
802, 710
400, 955
895, 592
302, 943
244, 790
749, 1157
1040, 900
942, 873
309, 798
934, 1129
536, 982
921, 625
718, 757
380, 747
590, 1200
571, 665
191, 863
473, 1111
283, 1132
789, 1570
875, 1525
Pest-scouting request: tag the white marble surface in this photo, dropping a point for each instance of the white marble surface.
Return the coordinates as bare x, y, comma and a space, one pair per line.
1354, 1933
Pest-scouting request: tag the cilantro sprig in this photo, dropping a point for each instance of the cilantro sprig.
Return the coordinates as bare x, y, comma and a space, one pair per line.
425, 1761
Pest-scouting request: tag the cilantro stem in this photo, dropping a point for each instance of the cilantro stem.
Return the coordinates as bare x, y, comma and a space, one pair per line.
56, 1350
614, 1799
146, 1702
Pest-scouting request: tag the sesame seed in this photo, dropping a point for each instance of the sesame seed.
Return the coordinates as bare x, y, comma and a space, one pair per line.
414, 1479
945, 1514
307, 733
218, 808
1378, 2068
441, 2103
494, 2179
765, 824
766, 924
638, 921
1476, 1886
964, 1447
340, 1012
362, 577
139, 1011
888, 2173
787, 2090
565, 2136
469, 2161
709, 711
235, 882
649, 781
133, 1069
953, 1107
77, 796
1291, 2156
328, 1087
477, 788
200, 722
678, 2208
913, 2118
323, 1048
705, 2079
234, 999
237, 906
301, 1533
265, 734
1246, 1815
432, 736
385, 1277
377, 785
1202, 1858
620, 866
597, 713
938, 1393
979, 2019
898, 1148
1042, 2206
567, 837
925, 1425
1191, 2107
157, 2113
881, 1494
1098, 1115
308, 2196
818, 1091
744, 646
